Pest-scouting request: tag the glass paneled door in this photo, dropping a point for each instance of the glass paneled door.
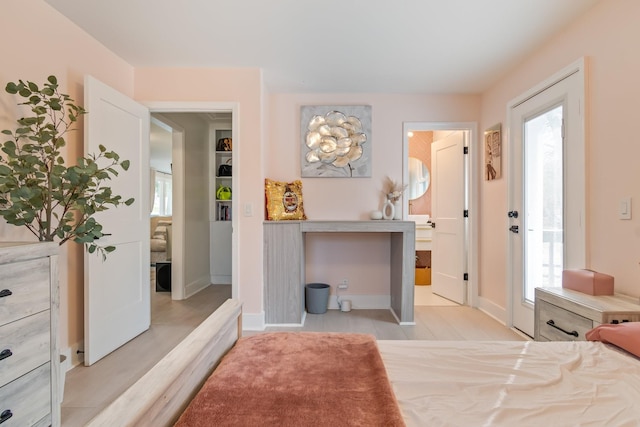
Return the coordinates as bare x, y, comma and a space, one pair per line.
546, 190
543, 196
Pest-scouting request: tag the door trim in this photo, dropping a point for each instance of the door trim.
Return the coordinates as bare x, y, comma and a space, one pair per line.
206, 107
578, 67
472, 171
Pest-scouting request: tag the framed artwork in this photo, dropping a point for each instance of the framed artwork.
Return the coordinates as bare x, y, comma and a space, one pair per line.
493, 152
335, 141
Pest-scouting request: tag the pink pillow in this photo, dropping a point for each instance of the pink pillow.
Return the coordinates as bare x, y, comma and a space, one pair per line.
624, 335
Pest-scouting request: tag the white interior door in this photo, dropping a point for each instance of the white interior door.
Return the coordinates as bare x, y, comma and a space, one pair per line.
447, 209
546, 192
117, 291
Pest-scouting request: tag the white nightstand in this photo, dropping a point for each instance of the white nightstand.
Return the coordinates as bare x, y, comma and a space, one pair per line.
566, 315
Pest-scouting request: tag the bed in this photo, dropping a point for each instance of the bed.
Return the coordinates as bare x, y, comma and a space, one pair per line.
435, 383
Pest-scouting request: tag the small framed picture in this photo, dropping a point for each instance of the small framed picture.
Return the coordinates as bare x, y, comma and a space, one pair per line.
493, 152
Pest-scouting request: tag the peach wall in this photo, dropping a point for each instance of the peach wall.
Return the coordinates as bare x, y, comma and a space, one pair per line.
269, 136
243, 86
606, 36
36, 42
332, 258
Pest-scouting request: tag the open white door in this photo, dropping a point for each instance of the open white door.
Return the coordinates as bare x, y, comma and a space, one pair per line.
116, 291
447, 209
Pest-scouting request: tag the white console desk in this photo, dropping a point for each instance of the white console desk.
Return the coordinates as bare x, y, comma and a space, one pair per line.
284, 263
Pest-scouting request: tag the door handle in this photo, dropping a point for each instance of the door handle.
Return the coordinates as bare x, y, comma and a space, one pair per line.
512, 214
433, 225
513, 229
5, 293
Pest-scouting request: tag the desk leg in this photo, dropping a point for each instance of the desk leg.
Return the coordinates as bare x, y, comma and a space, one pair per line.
403, 276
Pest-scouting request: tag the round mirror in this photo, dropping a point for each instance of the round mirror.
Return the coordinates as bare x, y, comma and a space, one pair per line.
419, 178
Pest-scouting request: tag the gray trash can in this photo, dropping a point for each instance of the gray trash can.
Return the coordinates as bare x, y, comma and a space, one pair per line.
317, 297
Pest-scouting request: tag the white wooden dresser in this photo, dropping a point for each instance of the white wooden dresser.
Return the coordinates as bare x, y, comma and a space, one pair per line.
29, 355
566, 315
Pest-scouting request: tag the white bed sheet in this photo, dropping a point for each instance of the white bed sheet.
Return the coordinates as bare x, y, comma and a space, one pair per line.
515, 383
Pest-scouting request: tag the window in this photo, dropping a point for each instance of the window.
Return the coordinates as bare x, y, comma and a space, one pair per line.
162, 199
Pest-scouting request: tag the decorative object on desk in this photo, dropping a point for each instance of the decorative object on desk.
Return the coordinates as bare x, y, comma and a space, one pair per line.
223, 193
224, 144
375, 214
393, 192
397, 214
336, 141
492, 152
225, 169
284, 200
388, 210
37, 190
588, 282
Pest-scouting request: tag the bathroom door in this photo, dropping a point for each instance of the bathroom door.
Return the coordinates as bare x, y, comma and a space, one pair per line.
448, 204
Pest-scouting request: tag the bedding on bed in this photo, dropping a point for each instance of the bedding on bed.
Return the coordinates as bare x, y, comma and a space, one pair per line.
440, 383
297, 379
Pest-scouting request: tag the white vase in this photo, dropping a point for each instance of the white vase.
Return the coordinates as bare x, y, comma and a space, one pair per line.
388, 210
397, 210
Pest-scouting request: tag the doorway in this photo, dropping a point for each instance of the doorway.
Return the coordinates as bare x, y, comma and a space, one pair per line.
452, 242
194, 263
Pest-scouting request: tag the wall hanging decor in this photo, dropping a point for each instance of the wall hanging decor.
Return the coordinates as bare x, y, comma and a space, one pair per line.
284, 200
493, 152
336, 141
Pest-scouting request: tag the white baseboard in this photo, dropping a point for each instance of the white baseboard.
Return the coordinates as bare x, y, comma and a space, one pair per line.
256, 322
196, 286
362, 302
253, 321
220, 279
492, 309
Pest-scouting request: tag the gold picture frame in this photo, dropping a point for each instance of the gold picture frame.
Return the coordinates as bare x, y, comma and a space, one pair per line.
493, 152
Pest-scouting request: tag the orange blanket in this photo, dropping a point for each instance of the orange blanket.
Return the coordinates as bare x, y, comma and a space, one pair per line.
297, 379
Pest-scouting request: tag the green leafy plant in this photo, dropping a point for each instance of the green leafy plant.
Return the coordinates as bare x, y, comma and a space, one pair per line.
37, 190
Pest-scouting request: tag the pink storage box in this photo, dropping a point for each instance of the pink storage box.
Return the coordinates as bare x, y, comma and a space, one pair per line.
588, 282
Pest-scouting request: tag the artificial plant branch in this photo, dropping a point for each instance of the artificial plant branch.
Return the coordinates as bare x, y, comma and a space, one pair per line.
37, 190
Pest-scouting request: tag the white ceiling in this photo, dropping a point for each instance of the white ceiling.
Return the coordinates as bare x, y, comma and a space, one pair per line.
402, 46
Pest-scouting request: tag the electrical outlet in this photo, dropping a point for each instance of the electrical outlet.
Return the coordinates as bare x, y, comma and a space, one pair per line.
344, 284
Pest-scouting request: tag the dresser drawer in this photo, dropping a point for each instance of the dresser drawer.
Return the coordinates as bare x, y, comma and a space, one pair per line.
29, 342
28, 398
29, 284
562, 319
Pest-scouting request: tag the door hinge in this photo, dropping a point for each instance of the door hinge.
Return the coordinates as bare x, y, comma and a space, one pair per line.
466, 276
465, 150
466, 213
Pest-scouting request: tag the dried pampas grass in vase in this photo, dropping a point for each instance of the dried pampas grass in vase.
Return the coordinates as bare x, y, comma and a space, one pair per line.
393, 193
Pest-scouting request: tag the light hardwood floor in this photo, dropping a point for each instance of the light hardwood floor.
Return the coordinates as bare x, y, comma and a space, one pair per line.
89, 389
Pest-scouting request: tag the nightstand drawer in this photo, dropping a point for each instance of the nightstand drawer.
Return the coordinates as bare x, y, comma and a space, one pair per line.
28, 282
28, 398
28, 342
565, 324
